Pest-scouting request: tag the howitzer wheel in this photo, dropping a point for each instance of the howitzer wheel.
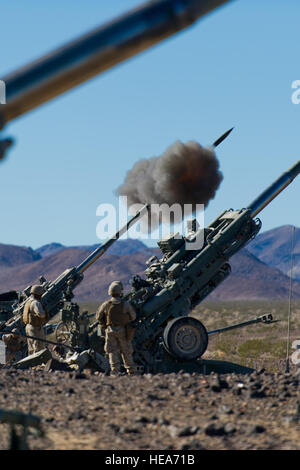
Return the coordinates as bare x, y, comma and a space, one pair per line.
185, 338
64, 332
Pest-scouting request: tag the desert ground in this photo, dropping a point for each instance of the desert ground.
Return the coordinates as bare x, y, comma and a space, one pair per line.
90, 410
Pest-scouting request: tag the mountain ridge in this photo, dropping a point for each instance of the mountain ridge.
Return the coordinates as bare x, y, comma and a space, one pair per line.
274, 247
251, 277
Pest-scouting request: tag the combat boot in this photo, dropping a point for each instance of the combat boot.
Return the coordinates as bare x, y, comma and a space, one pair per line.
115, 373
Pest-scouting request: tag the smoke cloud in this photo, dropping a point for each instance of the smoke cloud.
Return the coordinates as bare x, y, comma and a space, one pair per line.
184, 174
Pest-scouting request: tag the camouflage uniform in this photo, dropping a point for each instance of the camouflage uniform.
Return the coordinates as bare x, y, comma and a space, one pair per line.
36, 318
14, 344
117, 342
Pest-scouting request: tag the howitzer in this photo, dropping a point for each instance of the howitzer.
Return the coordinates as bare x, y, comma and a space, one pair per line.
60, 291
183, 277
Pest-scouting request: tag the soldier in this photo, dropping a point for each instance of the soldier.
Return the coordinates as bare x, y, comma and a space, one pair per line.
114, 317
14, 344
34, 316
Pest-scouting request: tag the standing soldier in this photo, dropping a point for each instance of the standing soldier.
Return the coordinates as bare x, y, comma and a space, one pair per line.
114, 317
34, 317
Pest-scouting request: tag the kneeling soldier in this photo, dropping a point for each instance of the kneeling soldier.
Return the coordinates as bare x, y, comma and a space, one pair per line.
114, 317
34, 316
14, 344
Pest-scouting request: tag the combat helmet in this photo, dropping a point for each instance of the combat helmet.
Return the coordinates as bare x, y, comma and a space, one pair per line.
115, 288
37, 290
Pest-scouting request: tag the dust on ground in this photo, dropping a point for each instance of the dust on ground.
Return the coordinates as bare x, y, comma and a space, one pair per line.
163, 411
174, 411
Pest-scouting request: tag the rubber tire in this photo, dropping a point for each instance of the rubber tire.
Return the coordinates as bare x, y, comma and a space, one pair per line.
68, 329
172, 334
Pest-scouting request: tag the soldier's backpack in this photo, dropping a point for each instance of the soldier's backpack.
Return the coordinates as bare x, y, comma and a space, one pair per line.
26, 312
31, 319
116, 315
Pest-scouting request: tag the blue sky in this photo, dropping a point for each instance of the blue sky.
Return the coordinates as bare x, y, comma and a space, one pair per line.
234, 67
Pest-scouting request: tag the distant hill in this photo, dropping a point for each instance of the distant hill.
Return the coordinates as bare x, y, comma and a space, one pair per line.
11, 255
251, 278
97, 277
121, 247
49, 249
273, 247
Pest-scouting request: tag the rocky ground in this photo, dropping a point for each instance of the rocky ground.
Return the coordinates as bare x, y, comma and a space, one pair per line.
164, 411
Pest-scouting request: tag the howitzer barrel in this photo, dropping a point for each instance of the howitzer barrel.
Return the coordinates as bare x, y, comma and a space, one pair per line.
267, 319
272, 191
43, 340
102, 248
97, 51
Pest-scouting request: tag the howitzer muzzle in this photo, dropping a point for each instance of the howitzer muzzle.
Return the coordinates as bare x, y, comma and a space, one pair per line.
272, 191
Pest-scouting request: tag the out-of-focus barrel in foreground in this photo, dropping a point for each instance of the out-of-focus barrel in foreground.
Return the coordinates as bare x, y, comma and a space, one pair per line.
97, 51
